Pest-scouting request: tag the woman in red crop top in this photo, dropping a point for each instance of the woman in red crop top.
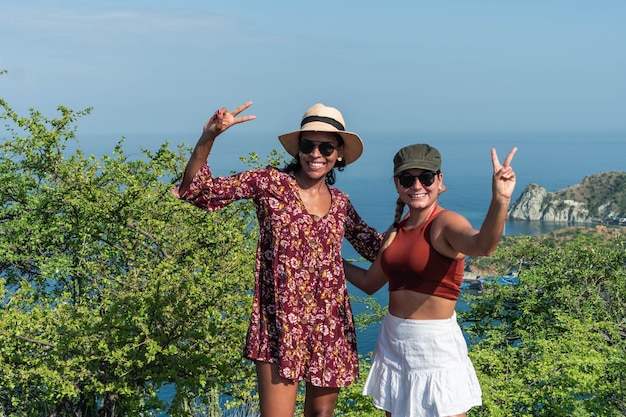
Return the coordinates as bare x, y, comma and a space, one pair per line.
420, 366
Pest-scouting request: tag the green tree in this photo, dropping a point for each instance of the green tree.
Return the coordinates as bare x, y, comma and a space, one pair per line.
555, 343
111, 288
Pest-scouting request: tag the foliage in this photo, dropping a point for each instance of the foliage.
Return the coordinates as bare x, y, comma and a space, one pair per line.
555, 343
111, 288
374, 312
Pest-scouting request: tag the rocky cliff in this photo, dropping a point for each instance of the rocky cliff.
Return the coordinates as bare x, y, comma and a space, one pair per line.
597, 198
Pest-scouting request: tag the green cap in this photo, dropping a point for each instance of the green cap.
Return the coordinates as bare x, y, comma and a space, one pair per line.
420, 156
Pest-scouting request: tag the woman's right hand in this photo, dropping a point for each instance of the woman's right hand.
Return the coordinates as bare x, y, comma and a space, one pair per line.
222, 119
219, 122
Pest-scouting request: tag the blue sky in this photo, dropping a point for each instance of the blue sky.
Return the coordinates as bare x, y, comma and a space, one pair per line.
164, 66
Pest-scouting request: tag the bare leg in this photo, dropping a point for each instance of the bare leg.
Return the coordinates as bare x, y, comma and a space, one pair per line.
320, 402
277, 395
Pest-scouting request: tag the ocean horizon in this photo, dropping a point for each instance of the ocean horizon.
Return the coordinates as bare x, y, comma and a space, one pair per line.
553, 160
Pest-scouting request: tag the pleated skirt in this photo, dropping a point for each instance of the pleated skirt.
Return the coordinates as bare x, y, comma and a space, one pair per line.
420, 368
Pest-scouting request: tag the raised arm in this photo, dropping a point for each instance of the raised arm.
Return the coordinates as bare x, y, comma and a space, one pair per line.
221, 120
457, 231
502, 187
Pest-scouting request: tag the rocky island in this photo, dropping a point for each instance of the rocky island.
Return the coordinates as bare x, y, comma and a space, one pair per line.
599, 198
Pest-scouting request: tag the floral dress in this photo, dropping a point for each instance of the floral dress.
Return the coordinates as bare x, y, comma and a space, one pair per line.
301, 316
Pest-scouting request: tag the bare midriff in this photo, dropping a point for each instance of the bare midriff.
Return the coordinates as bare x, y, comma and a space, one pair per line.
414, 305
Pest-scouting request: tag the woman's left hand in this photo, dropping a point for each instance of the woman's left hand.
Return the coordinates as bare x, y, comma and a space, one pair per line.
503, 175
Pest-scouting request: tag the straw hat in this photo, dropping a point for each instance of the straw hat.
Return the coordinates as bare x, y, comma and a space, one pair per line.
321, 118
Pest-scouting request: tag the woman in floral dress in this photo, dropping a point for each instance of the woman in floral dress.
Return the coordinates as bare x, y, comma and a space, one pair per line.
301, 325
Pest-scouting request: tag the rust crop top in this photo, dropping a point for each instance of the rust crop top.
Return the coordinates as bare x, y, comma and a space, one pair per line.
411, 263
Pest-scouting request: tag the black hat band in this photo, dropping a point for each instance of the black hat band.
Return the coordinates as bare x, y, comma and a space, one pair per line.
327, 120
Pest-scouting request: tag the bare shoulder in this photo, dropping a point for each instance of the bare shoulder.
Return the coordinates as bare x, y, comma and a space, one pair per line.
450, 219
447, 230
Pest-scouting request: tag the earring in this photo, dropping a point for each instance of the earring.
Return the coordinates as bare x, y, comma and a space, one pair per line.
340, 159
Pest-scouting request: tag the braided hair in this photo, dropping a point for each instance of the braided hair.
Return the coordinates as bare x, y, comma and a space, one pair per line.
399, 210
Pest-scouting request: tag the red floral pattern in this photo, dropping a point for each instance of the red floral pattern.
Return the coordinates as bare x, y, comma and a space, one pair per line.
301, 316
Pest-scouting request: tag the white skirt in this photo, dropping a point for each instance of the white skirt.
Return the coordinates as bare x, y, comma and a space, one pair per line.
421, 368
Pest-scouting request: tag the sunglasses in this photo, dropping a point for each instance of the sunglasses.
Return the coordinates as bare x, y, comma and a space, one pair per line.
326, 148
426, 178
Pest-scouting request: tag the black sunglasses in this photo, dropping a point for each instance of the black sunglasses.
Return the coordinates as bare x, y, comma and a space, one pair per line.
426, 178
326, 148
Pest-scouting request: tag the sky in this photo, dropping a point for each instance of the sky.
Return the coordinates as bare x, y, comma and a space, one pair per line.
155, 66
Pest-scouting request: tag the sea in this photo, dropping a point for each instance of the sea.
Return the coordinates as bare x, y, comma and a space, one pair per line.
553, 160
